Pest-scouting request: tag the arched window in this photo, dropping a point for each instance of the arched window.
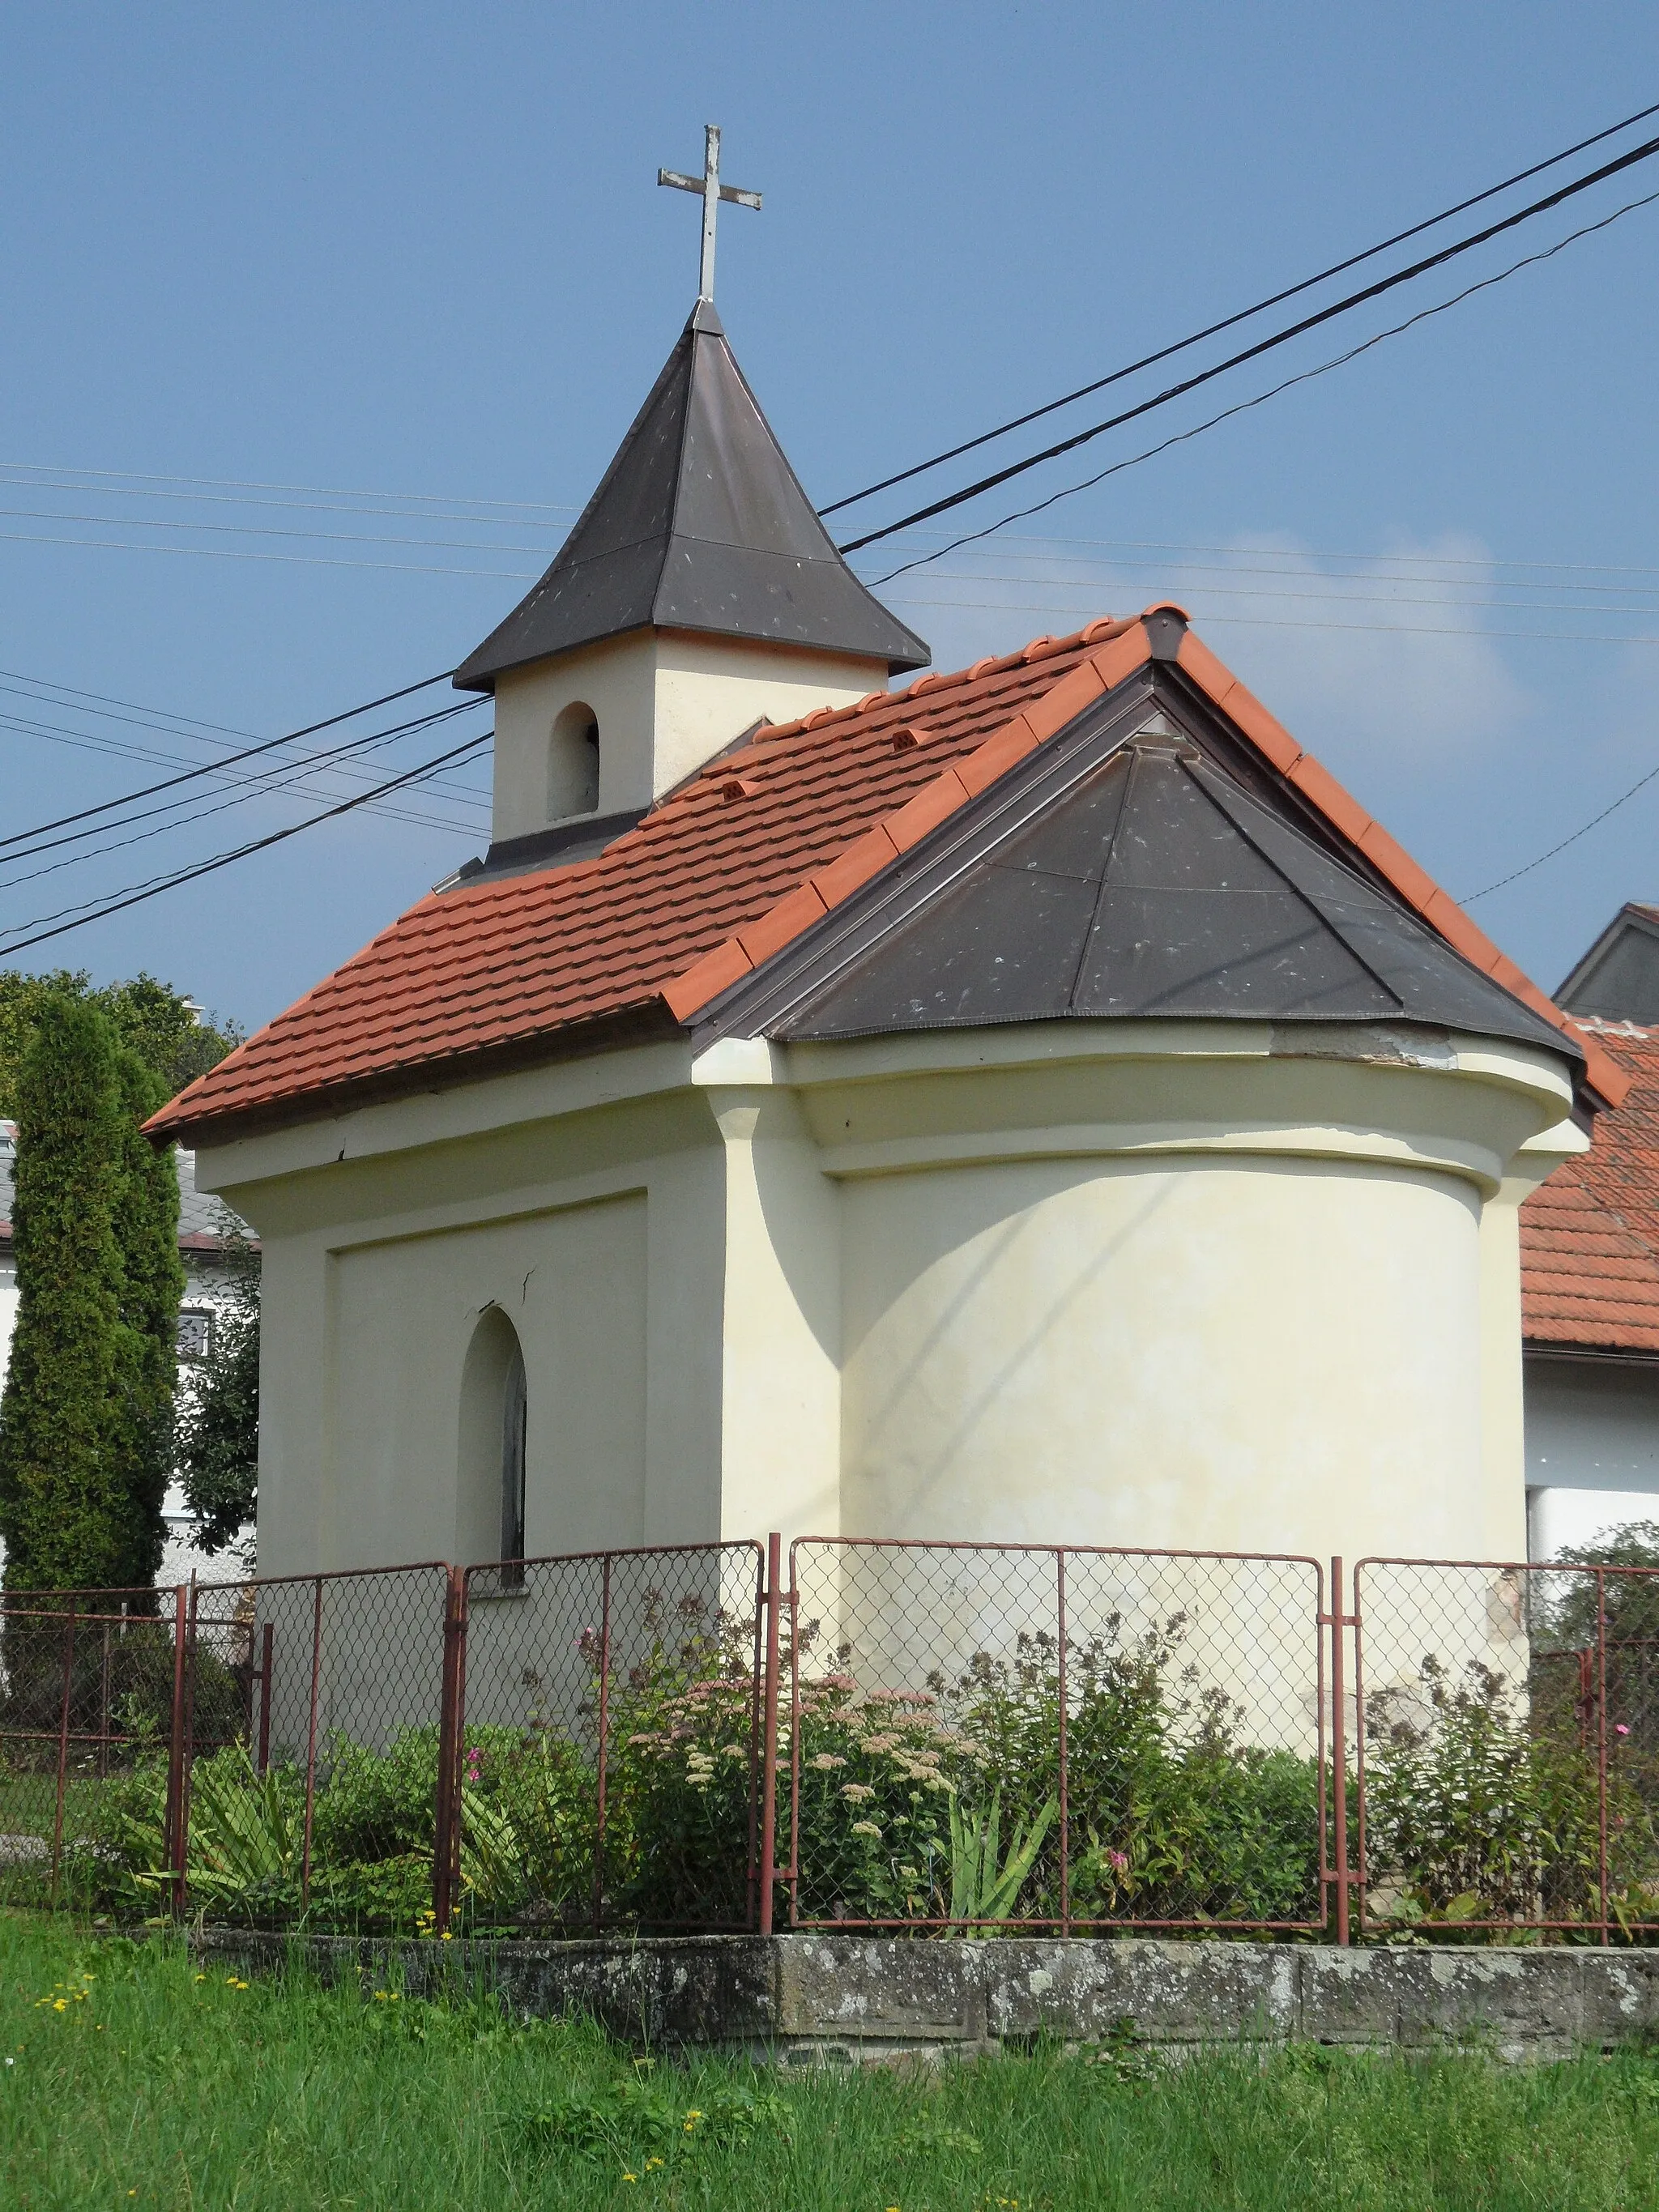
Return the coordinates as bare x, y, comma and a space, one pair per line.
572, 762
494, 1423
514, 1413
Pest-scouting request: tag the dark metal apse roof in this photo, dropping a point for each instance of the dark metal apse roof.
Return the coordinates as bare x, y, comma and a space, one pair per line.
698, 524
1138, 879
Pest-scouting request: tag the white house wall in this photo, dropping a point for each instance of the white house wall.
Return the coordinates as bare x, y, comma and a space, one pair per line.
1141, 1283
1592, 1447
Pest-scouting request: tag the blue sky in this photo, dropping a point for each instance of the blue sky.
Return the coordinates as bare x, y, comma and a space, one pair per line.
418, 252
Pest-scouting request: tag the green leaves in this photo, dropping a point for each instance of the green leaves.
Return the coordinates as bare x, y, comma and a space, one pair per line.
636, 2124
981, 1888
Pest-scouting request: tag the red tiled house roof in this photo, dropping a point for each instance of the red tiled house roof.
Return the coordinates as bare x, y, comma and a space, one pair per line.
725, 872
1590, 1238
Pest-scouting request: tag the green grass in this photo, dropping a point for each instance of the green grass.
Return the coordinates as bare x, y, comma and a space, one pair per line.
131, 2078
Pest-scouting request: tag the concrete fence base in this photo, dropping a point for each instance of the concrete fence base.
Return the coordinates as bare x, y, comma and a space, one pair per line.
850, 1999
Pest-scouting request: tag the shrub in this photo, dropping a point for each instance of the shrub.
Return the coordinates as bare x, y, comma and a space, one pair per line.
1478, 1809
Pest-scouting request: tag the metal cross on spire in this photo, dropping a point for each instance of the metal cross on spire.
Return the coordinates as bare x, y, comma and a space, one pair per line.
713, 192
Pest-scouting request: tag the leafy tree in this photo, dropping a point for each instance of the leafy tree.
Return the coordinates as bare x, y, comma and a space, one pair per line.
154, 1020
1632, 1602
219, 1421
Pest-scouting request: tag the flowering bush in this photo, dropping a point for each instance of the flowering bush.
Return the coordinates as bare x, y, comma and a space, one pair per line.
1484, 1804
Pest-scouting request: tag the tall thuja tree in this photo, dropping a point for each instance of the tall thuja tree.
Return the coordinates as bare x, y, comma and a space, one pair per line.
86, 1424
152, 1284
63, 1512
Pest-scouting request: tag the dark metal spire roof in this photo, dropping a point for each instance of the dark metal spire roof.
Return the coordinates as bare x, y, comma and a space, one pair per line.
698, 524
1128, 873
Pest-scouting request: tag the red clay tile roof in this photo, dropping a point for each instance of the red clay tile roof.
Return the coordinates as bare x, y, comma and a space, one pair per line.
725, 872
1590, 1238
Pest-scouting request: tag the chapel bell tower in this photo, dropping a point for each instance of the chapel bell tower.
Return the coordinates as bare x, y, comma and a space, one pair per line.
697, 594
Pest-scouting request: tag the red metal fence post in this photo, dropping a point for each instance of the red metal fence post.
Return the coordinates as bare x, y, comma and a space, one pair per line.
1065, 1809
174, 1825
266, 1642
756, 1701
63, 1747
1603, 1885
1337, 1621
446, 1811
103, 1705
311, 1741
769, 1845
604, 1744
791, 1872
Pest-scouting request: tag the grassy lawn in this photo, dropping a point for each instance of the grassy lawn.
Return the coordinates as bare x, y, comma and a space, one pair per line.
130, 2077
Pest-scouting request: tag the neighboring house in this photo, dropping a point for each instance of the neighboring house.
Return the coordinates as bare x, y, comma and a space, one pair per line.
1035, 1104
201, 1250
1590, 1255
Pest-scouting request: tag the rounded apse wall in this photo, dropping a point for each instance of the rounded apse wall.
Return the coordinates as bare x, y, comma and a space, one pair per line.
1274, 1354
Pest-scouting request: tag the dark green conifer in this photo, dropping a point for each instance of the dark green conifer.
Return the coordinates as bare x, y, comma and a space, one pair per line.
153, 1283
62, 1513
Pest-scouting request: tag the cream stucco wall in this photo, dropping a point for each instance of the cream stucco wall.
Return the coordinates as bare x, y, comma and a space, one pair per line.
1215, 1285
1276, 1356
666, 702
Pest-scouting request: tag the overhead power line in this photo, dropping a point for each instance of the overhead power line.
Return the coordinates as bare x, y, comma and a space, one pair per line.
152, 721
1260, 398
286, 776
136, 895
1583, 830
463, 806
319, 491
1345, 306
269, 744
1243, 315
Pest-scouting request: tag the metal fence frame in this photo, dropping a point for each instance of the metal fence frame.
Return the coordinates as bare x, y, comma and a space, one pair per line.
1330, 1865
186, 1618
1592, 1677
609, 1563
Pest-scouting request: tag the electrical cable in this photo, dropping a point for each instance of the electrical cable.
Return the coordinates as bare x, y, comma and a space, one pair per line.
11, 475
258, 529
473, 803
285, 560
108, 805
283, 778
122, 748
322, 491
137, 894
1594, 823
1243, 315
1345, 306
1243, 406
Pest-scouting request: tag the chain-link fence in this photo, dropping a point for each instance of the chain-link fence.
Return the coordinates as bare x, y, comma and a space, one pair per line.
313, 1731
1506, 1729
607, 1744
86, 1704
1016, 1736
903, 1735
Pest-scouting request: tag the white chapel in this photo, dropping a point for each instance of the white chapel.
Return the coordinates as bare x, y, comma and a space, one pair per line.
1033, 1103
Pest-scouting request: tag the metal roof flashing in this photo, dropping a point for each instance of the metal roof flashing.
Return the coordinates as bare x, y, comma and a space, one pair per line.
1139, 864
